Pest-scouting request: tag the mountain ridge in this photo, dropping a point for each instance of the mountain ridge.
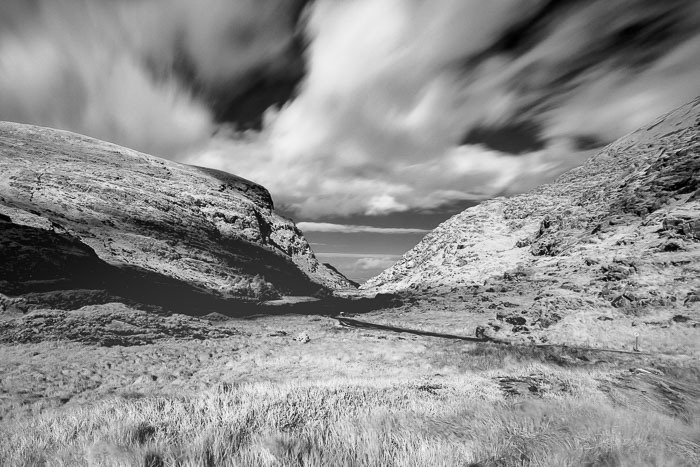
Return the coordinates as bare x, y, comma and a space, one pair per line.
526, 223
618, 236
215, 231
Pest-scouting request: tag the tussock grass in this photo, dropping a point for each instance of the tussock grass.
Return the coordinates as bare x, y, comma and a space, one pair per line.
353, 423
347, 397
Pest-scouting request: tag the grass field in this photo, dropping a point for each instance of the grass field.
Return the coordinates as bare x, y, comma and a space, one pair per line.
351, 397
460, 422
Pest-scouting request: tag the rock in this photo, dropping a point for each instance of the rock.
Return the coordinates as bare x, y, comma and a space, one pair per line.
680, 319
523, 242
111, 324
216, 317
302, 337
625, 300
145, 379
616, 272
671, 246
511, 319
548, 319
12, 305
693, 297
683, 225
495, 326
516, 320
97, 201
277, 334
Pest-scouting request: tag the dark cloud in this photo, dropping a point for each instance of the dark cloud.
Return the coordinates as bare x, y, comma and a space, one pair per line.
569, 46
513, 138
14, 13
268, 38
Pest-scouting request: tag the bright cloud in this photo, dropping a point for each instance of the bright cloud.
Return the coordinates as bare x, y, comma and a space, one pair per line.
374, 263
314, 187
344, 228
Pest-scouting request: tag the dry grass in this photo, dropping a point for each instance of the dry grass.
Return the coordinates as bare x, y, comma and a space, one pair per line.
348, 397
460, 421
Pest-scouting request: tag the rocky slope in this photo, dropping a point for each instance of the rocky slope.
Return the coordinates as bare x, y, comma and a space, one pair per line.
620, 233
75, 210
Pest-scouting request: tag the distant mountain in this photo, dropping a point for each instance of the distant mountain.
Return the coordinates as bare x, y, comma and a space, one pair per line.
76, 212
620, 232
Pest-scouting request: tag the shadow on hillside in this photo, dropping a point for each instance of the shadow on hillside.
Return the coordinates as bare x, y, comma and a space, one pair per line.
51, 270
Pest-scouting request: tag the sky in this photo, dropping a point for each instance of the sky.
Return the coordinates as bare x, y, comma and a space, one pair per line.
370, 121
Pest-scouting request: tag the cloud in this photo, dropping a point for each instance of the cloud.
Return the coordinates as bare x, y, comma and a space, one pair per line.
617, 103
382, 81
140, 73
314, 187
356, 256
394, 86
373, 264
68, 68
344, 228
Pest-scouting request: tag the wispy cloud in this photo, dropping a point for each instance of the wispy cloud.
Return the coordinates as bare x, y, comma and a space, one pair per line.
357, 255
374, 264
138, 73
346, 228
394, 86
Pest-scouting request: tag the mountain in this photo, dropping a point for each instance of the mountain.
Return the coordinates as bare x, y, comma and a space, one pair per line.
76, 212
621, 232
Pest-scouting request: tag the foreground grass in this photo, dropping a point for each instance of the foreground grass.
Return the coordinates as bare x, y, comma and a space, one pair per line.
350, 397
462, 421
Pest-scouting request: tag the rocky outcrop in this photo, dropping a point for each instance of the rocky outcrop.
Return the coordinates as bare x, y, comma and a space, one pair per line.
106, 325
73, 207
618, 233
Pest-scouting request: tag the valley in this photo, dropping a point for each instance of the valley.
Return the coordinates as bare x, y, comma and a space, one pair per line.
557, 327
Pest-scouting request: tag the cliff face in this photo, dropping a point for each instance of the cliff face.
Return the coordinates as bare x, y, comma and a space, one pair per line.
620, 232
205, 228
